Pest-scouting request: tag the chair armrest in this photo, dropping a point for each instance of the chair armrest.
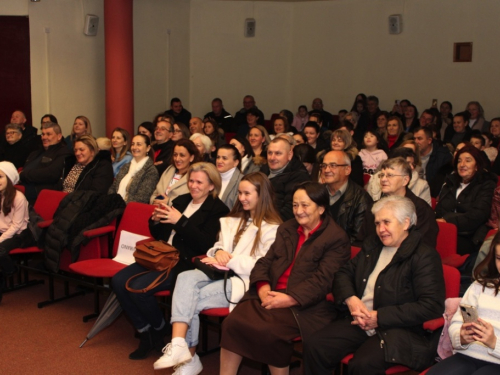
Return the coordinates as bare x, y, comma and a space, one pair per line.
199, 256
99, 231
45, 224
455, 260
434, 324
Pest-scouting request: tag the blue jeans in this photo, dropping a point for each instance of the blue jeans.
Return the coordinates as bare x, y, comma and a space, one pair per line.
194, 291
141, 308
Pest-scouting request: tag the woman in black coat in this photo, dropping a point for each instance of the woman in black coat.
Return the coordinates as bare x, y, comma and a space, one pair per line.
93, 170
191, 226
390, 289
470, 210
288, 287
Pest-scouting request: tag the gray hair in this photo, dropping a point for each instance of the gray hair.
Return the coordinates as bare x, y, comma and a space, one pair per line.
14, 127
401, 207
48, 125
207, 142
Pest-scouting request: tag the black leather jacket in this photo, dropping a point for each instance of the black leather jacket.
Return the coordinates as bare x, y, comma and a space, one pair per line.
351, 213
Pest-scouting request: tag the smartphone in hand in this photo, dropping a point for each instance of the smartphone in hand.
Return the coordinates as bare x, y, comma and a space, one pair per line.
469, 313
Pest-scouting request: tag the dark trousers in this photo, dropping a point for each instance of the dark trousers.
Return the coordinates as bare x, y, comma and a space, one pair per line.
23, 239
141, 308
324, 350
460, 364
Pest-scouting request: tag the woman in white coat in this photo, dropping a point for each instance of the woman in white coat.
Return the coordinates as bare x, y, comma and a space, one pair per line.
246, 235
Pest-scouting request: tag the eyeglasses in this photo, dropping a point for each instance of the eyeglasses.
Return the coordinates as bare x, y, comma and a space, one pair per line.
331, 166
10, 133
177, 131
163, 129
390, 175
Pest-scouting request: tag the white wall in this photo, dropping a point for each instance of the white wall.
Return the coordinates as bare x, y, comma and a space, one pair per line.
331, 49
14, 8
225, 64
357, 54
161, 59
67, 67
336, 49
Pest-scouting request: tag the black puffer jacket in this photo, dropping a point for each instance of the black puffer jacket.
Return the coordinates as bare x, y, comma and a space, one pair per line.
284, 184
471, 209
408, 292
351, 214
90, 210
97, 175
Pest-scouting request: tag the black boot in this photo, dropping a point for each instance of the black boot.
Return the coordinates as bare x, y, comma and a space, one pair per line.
157, 336
145, 346
1, 285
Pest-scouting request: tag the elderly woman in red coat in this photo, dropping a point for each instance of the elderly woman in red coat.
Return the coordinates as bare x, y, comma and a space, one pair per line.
288, 287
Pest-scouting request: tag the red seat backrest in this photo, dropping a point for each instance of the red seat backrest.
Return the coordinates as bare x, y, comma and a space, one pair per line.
354, 251
47, 202
446, 244
451, 281
135, 220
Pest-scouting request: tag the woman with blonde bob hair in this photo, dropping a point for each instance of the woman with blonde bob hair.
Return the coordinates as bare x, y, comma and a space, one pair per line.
246, 235
190, 225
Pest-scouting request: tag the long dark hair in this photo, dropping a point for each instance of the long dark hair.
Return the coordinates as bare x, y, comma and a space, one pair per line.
486, 273
8, 196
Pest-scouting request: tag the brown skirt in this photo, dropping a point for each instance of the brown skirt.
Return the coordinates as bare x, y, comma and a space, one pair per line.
259, 334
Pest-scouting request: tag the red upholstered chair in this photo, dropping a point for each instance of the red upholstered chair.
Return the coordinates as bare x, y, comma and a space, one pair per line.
21, 188
452, 287
433, 203
45, 205
446, 245
134, 220
229, 136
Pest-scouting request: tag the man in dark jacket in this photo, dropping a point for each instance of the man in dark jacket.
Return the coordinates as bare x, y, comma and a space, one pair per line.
395, 177
221, 116
164, 146
284, 171
348, 200
432, 155
45, 168
178, 112
240, 118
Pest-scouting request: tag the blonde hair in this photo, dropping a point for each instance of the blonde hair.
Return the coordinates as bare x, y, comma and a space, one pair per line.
88, 126
211, 172
104, 143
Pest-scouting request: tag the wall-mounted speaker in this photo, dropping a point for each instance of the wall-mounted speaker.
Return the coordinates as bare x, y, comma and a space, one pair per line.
91, 25
250, 27
395, 24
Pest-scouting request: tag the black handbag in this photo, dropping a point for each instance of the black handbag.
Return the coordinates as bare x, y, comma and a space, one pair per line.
216, 274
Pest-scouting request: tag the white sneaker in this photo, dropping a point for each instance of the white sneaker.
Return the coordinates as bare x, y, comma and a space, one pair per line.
193, 367
173, 355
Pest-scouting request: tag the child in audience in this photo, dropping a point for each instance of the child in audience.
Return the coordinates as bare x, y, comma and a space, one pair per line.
371, 155
13, 219
301, 118
477, 349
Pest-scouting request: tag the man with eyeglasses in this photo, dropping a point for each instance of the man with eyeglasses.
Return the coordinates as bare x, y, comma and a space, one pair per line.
348, 200
164, 146
16, 150
395, 175
285, 171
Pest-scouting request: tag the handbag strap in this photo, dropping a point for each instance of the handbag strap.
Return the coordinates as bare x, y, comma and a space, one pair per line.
161, 278
225, 283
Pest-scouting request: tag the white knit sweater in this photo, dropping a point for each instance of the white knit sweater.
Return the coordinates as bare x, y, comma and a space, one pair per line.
488, 308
